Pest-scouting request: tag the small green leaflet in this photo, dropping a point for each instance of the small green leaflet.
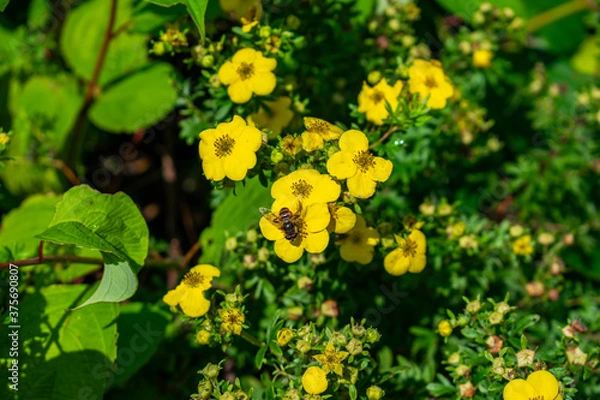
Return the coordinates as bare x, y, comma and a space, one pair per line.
196, 9
3, 4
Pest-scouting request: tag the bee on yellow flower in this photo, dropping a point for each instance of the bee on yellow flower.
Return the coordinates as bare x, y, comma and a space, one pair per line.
372, 100
232, 320
331, 359
314, 380
409, 256
359, 243
522, 246
246, 73
539, 385
276, 117
428, 79
189, 294
317, 132
229, 150
355, 163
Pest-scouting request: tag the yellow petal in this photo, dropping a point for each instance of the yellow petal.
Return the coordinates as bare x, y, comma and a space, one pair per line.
518, 389
377, 113
214, 170
173, 296
395, 263
381, 171
361, 185
247, 55
344, 220
544, 384
312, 141
263, 83
361, 254
250, 138
417, 264
353, 141
265, 64
240, 92
341, 166
269, 230
316, 242
206, 270
287, 251
317, 217
232, 128
194, 304
326, 190
227, 73
418, 237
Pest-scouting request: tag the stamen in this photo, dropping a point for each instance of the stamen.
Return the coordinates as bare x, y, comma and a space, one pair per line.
409, 248
301, 188
224, 146
193, 279
430, 82
377, 96
245, 70
364, 160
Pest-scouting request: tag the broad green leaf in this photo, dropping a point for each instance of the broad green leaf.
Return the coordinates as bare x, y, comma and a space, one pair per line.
68, 354
149, 18
560, 36
236, 213
3, 4
38, 13
84, 32
118, 283
141, 330
20, 226
109, 223
196, 9
136, 102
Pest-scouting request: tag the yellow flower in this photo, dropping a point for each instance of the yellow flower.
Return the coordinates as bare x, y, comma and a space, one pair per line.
248, 25
539, 385
277, 117
482, 58
232, 320
456, 230
372, 100
4, 139
189, 294
355, 163
307, 186
409, 256
428, 78
312, 141
246, 73
317, 132
311, 224
522, 246
203, 336
229, 150
359, 243
314, 380
291, 145
444, 328
342, 219
284, 336
251, 9
331, 359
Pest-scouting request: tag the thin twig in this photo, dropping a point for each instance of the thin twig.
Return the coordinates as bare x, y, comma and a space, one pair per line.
188, 256
384, 137
557, 13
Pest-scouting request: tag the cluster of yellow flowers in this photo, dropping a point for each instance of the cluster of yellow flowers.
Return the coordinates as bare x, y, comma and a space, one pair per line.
539, 385
189, 294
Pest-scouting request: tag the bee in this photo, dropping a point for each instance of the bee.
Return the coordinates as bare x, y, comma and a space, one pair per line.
286, 221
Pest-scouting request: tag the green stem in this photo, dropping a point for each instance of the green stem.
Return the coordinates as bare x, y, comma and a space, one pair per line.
557, 13
251, 339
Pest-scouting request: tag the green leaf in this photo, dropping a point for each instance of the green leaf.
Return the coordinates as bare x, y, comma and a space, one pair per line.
196, 9
587, 58
67, 354
38, 14
109, 223
236, 213
20, 226
141, 330
149, 18
3, 4
136, 102
260, 356
83, 35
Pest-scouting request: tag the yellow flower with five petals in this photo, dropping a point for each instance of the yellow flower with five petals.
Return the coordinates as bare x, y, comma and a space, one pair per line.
372, 100
307, 186
539, 385
317, 132
331, 359
355, 163
359, 243
189, 294
232, 320
246, 73
522, 246
311, 223
428, 78
229, 150
409, 256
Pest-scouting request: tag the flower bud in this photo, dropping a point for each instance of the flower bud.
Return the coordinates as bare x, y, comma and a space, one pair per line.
374, 77
284, 336
576, 356
496, 317
251, 236
264, 32
292, 394
231, 243
210, 371
304, 283
454, 358
276, 156
498, 366
234, 298
568, 331
354, 347
444, 328
204, 389
329, 308
263, 254
502, 307
473, 306
293, 22
494, 344
467, 390
208, 61
203, 337
375, 393
462, 370
372, 335
358, 330
303, 346
525, 357
338, 339
249, 261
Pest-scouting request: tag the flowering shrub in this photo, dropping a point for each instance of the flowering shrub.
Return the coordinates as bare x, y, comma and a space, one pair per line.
300, 200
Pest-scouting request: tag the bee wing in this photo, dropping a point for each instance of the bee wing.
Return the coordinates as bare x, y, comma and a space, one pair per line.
272, 218
264, 211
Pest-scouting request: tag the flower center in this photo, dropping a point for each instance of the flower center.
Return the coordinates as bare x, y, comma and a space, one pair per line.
245, 70
233, 319
377, 96
224, 146
193, 279
318, 127
541, 397
356, 238
364, 160
409, 248
301, 188
430, 82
